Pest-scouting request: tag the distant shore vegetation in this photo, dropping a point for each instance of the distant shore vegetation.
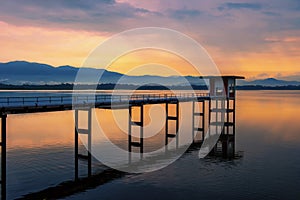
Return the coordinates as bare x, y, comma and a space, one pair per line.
68, 86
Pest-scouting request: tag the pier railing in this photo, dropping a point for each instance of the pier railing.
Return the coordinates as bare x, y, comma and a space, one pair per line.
19, 101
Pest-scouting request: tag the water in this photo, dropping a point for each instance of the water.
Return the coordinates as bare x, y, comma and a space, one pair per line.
40, 155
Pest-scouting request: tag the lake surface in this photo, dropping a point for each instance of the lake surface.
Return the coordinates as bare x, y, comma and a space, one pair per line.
41, 154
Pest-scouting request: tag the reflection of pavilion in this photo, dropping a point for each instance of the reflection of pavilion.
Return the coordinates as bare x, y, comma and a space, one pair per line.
220, 139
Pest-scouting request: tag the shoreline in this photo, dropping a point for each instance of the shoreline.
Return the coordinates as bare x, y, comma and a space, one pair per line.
70, 87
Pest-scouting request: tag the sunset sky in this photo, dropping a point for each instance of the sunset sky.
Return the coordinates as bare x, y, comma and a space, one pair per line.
257, 39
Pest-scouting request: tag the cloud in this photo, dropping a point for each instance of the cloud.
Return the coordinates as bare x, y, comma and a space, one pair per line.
283, 39
291, 77
239, 6
262, 75
183, 13
104, 15
271, 14
4, 80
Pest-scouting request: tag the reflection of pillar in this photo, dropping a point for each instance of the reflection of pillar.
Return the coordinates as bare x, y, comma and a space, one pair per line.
210, 106
224, 112
140, 123
3, 156
234, 107
200, 114
88, 132
230, 126
218, 119
172, 118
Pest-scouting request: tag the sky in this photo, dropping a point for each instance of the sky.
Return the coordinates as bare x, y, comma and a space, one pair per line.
257, 39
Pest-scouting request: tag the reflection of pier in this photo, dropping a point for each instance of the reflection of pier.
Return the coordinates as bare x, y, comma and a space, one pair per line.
220, 101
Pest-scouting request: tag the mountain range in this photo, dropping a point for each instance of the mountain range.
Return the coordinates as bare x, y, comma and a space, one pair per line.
22, 72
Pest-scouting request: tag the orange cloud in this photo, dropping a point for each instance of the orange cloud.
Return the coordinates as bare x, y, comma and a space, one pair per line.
276, 55
153, 62
51, 46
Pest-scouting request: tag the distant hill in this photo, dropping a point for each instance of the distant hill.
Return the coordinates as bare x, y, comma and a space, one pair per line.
269, 82
21, 72
28, 73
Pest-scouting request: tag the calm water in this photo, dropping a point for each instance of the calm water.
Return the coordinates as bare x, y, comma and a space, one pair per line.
40, 155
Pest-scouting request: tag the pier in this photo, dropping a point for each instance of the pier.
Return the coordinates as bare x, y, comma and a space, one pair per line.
220, 100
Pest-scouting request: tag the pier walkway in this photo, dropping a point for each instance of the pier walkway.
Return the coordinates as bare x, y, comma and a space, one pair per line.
33, 104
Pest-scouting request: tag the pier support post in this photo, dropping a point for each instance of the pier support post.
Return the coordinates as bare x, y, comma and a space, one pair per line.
140, 123
172, 118
3, 156
88, 132
76, 145
201, 126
